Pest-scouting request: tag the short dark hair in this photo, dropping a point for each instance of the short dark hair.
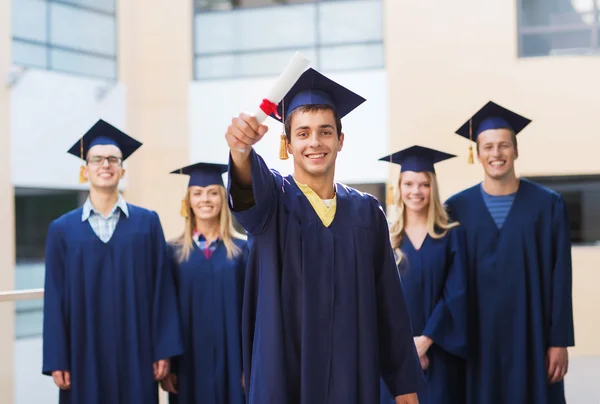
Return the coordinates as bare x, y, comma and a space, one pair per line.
513, 136
312, 108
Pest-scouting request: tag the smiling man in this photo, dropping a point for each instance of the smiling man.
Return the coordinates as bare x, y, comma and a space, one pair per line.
109, 300
519, 262
324, 314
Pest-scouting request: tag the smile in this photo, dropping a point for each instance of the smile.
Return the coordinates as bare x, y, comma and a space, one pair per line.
316, 156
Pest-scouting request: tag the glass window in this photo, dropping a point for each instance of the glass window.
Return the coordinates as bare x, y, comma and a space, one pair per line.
27, 54
35, 209
207, 5
558, 27
94, 32
349, 57
343, 22
73, 62
74, 36
582, 197
245, 41
279, 27
29, 19
98, 5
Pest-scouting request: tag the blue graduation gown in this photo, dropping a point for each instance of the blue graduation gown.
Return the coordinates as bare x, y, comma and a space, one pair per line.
324, 314
520, 296
435, 287
210, 302
110, 309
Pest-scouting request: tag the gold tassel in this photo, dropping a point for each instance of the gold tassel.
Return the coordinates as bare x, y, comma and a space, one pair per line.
283, 155
82, 178
389, 198
470, 159
183, 211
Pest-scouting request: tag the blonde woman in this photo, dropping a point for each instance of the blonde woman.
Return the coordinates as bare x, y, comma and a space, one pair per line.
209, 261
430, 252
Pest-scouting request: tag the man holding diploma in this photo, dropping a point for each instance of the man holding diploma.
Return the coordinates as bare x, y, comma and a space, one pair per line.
324, 315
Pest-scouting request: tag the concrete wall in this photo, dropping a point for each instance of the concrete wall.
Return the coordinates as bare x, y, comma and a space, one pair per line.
7, 236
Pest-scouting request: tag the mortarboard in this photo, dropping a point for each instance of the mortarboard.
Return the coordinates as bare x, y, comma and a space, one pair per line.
417, 159
103, 133
313, 88
491, 116
202, 175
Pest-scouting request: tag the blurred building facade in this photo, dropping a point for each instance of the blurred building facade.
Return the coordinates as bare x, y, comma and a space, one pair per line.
172, 74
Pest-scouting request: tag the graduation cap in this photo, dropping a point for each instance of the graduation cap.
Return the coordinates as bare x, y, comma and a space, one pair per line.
313, 88
103, 133
202, 175
491, 116
417, 159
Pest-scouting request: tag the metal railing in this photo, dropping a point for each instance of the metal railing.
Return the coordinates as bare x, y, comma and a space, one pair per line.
25, 294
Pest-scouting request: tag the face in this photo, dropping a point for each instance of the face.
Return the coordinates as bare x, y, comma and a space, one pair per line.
496, 152
415, 190
206, 202
314, 142
104, 168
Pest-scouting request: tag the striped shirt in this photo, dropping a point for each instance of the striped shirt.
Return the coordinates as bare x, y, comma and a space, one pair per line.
209, 249
104, 226
498, 206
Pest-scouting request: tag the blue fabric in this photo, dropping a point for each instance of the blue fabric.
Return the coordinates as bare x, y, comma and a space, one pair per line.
324, 314
109, 308
203, 174
210, 301
434, 282
417, 158
520, 297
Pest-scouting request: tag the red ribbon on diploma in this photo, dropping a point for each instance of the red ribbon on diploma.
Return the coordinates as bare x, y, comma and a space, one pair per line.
269, 108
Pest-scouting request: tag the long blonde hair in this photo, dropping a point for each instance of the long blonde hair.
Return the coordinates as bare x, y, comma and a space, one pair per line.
437, 217
185, 242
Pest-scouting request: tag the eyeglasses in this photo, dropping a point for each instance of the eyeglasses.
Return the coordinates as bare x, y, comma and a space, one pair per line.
99, 160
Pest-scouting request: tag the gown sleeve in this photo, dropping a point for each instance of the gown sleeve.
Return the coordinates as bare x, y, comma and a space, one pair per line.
400, 366
447, 325
253, 207
561, 326
55, 327
172, 259
166, 325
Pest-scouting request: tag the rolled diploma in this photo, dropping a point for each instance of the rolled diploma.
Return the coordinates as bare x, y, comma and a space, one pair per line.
286, 80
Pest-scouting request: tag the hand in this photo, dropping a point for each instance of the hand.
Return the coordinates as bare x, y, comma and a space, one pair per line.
244, 132
161, 369
62, 379
407, 399
169, 383
424, 362
557, 363
422, 343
